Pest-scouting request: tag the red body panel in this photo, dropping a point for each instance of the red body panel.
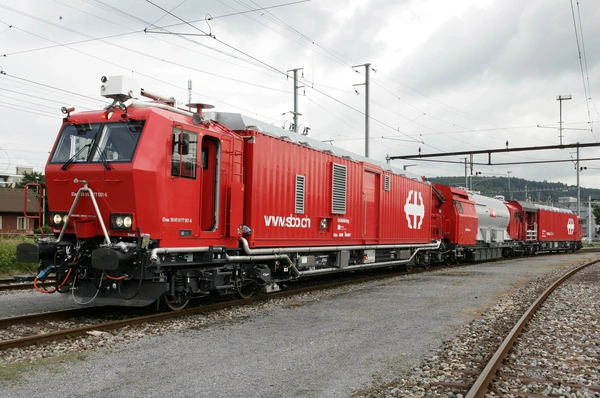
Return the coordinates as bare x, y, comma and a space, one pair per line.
514, 225
460, 218
557, 226
401, 214
525, 224
170, 209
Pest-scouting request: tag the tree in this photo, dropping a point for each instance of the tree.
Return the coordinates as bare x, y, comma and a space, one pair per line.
596, 212
32, 178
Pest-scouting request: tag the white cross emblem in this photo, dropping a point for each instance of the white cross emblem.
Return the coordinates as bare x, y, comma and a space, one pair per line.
414, 209
570, 226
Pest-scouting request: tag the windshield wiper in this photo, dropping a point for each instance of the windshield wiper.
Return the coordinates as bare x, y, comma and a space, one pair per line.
68, 162
103, 158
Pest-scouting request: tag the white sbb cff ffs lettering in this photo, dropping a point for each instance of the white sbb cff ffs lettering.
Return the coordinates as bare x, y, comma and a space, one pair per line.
288, 222
414, 209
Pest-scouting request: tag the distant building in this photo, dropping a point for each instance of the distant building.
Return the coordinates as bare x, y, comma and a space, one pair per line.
9, 180
12, 219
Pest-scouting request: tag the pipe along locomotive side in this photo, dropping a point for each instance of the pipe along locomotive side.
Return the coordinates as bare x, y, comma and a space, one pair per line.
150, 201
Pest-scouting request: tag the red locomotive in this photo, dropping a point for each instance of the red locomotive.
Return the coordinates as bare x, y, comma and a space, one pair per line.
152, 201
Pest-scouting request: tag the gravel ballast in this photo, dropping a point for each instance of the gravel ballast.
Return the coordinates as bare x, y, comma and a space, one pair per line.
322, 344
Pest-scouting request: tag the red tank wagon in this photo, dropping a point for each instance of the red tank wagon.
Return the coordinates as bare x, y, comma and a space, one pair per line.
148, 200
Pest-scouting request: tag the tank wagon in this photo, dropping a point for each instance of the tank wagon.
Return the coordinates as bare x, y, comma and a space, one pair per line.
478, 228
148, 200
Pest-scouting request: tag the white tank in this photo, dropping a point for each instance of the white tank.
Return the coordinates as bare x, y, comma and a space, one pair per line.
493, 219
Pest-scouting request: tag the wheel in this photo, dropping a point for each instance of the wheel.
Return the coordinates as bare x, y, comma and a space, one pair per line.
446, 255
175, 303
427, 264
447, 259
246, 289
409, 267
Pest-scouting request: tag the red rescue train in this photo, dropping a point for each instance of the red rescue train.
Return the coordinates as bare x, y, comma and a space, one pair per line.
149, 201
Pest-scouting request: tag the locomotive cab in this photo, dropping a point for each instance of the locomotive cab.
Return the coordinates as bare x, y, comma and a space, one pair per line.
134, 177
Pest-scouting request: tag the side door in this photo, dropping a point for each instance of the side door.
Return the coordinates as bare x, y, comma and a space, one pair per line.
183, 215
370, 204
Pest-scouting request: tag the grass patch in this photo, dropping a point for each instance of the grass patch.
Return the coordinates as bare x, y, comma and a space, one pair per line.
8, 256
14, 372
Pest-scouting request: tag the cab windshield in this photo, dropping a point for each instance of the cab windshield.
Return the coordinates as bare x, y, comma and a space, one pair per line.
98, 142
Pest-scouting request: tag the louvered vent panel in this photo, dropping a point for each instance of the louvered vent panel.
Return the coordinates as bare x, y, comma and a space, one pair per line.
300, 194
338, 197
386, 183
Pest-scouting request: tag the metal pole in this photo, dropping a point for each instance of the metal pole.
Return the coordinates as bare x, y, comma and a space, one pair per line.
509, 192
589, 221
367, 91
296, 87
367, 84
189, 94
560, 99
296, 100
578, 188
466, 175
560, 122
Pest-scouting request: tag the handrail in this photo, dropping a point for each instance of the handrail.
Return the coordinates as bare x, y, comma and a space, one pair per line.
40, 203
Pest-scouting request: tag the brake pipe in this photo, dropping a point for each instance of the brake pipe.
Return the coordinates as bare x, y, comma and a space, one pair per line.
42, 275
41, 290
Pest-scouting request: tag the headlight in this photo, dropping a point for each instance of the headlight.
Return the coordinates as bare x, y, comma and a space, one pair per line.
122, 221
58, 219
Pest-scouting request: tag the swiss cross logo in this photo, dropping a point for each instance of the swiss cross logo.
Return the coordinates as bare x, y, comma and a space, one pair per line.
492, 213
414, 209
570, 226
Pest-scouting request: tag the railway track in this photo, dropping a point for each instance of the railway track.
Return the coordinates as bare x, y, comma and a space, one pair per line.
553, 350
61, 325
539, 351
500, 355
10, 284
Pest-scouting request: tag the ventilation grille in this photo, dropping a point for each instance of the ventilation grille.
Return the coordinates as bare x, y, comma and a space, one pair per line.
386, 183
338, 197
300, 194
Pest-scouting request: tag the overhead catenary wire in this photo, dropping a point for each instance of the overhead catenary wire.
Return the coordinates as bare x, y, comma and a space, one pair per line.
287, 26
584, 75
252, 57
439, 132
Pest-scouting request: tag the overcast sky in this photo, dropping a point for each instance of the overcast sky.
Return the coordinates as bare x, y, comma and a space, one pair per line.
446, 75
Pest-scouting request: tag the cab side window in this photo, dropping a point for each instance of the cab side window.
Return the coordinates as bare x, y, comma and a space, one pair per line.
185, 154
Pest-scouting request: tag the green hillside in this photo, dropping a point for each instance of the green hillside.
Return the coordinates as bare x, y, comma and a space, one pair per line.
542, 192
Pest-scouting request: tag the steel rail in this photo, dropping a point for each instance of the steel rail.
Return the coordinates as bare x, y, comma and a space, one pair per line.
480, 388
50, 316
7, 281
81, 331
17, 286
11, 284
